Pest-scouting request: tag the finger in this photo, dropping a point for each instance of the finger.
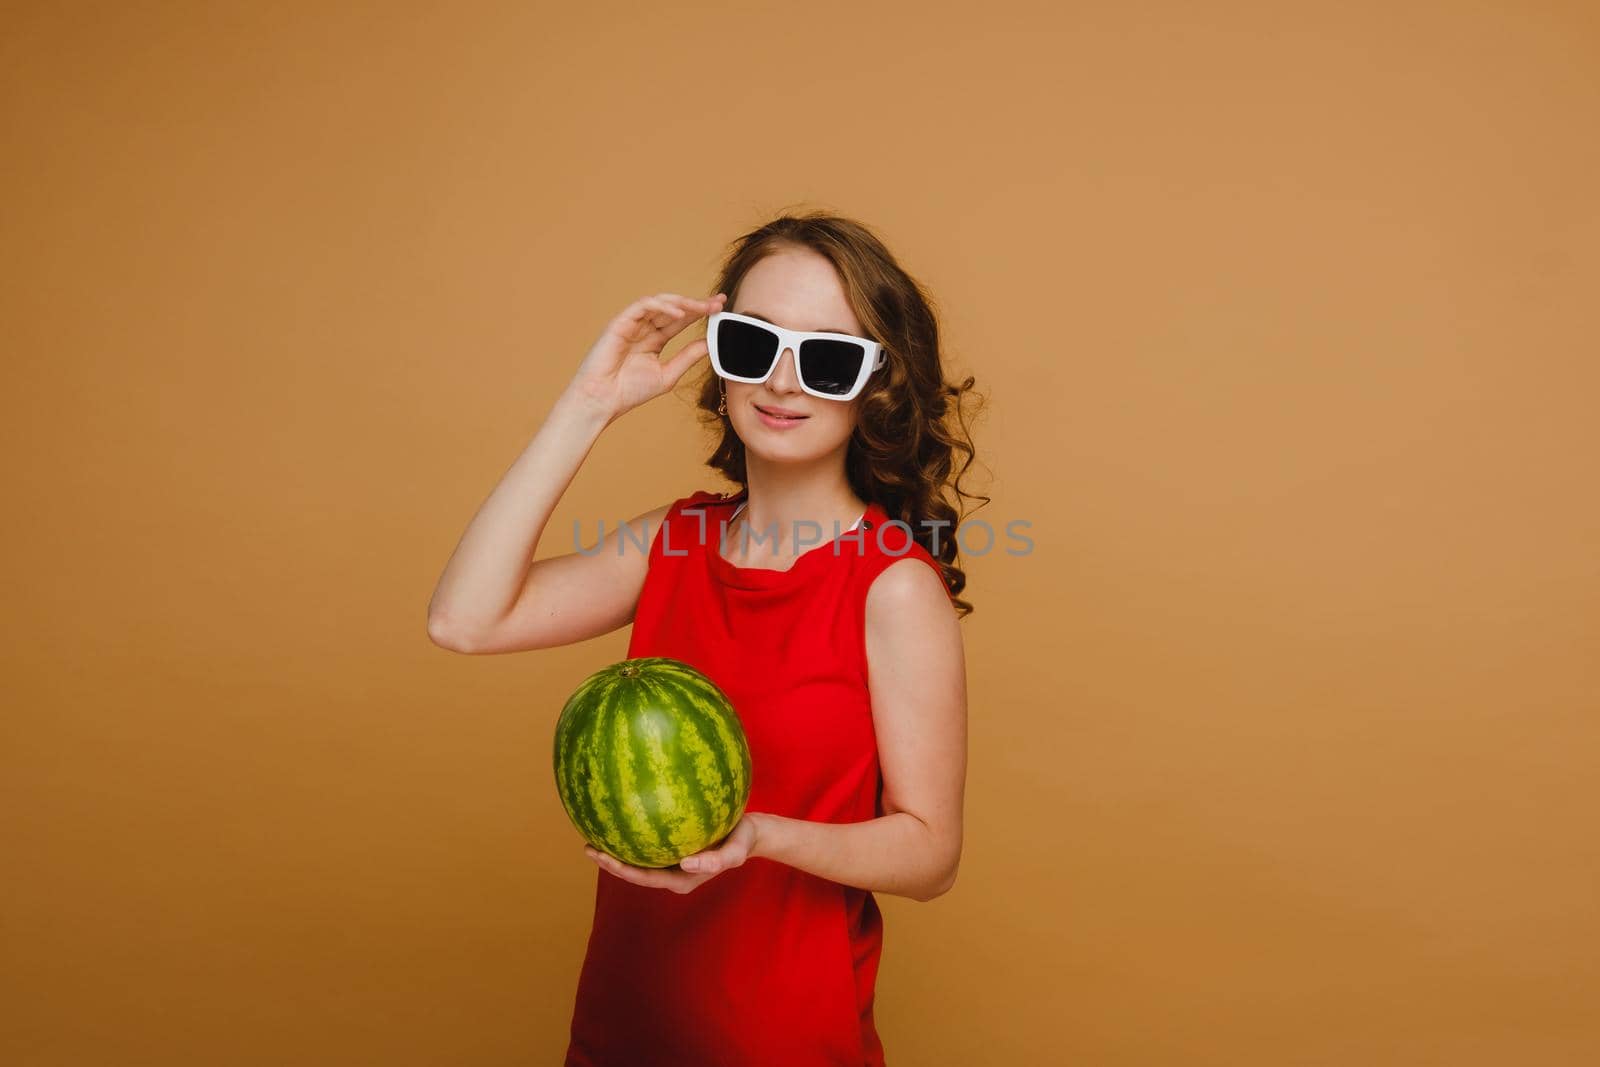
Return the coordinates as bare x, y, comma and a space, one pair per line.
612, 865
652, 320
642, 318
650, 877
646, 304
668, 309
683, 359
707, 862
677, 313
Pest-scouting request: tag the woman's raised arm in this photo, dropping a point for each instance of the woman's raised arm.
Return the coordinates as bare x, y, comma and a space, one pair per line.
493, 596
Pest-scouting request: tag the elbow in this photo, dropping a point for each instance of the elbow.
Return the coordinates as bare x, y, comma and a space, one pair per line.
944, 884
944, 847
442, 633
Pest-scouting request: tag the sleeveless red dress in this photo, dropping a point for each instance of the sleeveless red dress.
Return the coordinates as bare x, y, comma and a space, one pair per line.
763, 965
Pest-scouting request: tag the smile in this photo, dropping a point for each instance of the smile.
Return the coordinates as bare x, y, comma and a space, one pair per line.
779, 421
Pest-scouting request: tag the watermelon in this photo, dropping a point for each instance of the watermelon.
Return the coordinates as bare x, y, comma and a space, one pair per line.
651, 761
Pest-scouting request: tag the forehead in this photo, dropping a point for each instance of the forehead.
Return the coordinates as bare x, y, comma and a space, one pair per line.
798, 289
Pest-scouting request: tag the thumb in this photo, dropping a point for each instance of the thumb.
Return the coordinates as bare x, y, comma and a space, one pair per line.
683, 359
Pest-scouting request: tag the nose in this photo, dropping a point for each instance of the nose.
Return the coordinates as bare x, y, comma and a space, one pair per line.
785, 378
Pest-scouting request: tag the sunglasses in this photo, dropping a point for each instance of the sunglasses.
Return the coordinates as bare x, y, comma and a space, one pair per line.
833, 366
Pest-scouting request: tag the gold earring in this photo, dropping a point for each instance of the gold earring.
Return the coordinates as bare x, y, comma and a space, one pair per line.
722, 405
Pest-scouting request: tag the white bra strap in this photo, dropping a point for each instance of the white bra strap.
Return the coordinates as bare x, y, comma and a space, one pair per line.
742, 503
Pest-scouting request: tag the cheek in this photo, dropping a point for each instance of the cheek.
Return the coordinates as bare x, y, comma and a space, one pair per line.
840, 420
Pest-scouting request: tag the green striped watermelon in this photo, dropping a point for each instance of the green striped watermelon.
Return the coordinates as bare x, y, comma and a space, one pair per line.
651, 761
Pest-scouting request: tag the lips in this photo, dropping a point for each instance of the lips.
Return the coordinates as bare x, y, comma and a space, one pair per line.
781, 413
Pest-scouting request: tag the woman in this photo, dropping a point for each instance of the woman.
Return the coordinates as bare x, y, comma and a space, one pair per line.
842, 653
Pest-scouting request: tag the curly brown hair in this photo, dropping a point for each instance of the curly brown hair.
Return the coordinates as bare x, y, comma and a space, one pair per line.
902, 454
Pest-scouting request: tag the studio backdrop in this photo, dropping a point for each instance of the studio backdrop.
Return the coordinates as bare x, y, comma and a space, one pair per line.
1283, 728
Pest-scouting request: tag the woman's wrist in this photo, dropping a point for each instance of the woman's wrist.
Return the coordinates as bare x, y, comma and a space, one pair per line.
766, 833
583, 408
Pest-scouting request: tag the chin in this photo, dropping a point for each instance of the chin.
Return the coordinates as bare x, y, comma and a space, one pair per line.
778, 452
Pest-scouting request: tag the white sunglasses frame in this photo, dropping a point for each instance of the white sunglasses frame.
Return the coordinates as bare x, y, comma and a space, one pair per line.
792, 339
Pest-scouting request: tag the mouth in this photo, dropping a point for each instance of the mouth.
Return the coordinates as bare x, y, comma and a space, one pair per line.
782, 414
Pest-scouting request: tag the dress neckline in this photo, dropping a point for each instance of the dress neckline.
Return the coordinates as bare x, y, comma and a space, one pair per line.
732, 574
743, 502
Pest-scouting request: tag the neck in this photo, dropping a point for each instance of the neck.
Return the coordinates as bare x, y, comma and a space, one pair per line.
783, 498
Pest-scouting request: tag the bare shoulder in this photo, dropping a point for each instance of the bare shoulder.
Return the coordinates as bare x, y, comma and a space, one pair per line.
909, 591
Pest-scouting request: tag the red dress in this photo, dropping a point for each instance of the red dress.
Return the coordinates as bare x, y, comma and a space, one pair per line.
763, 965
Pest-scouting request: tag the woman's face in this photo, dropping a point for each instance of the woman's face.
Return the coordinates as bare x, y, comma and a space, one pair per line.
799, 289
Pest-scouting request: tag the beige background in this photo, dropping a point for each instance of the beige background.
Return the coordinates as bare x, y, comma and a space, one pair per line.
1283, 738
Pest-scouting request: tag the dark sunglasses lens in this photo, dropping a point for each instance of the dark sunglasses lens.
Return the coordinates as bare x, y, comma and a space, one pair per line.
831, 366
744, 349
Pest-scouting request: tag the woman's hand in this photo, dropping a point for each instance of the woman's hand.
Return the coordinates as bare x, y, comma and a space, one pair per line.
692, 871
624, 368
